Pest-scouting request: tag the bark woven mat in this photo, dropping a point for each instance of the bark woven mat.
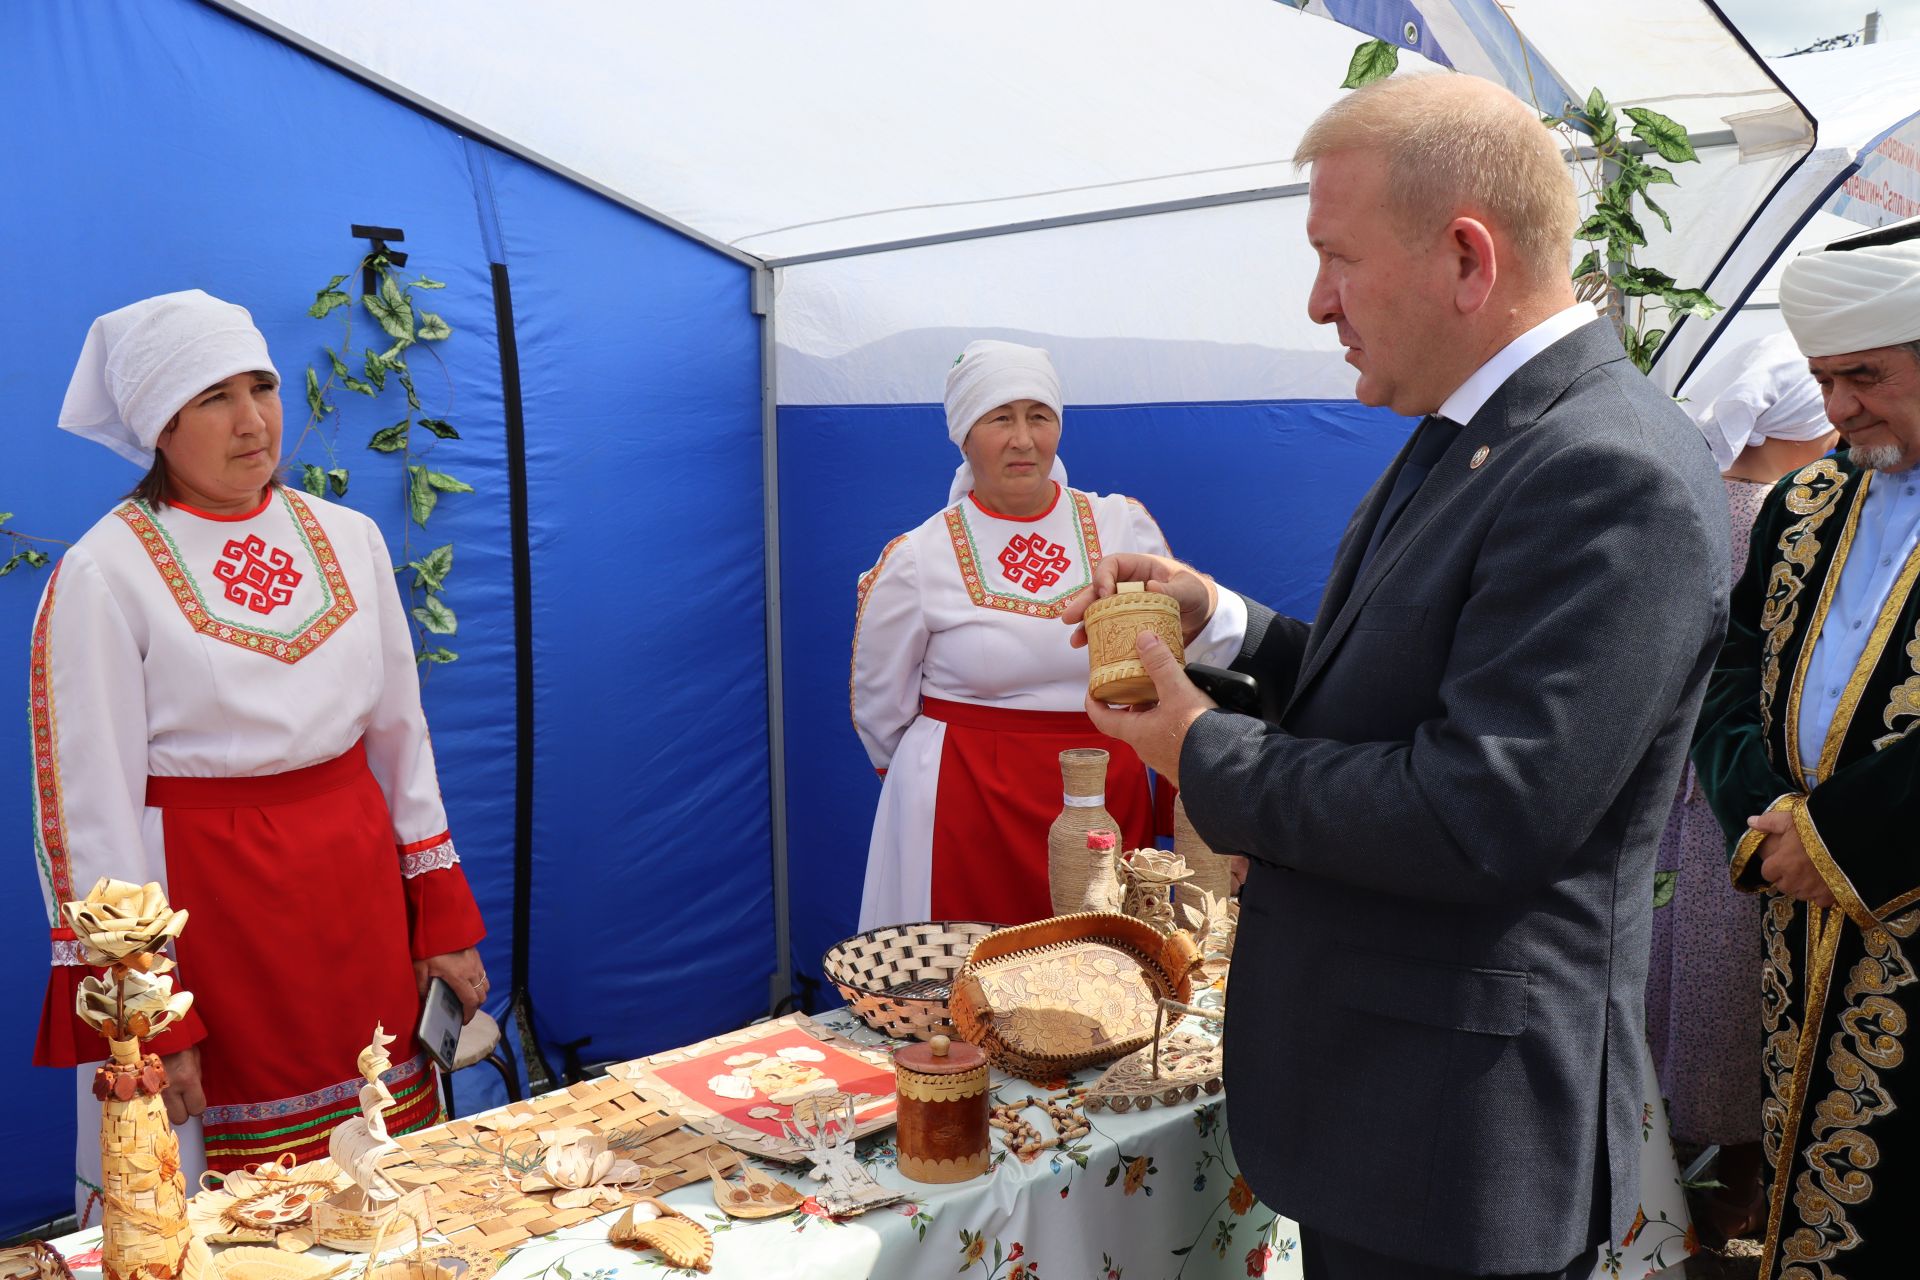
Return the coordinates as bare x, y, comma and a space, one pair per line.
468, 1169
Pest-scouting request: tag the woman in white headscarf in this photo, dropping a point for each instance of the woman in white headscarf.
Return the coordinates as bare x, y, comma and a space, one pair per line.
965, 689
1762, 415
224, 699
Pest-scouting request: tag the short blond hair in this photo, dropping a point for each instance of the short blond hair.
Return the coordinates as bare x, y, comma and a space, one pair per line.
1458, 145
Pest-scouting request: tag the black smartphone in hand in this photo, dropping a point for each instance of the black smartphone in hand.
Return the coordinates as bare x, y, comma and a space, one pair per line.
1233, 690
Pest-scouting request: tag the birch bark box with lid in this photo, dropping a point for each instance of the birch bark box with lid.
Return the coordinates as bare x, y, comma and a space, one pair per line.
943, 1134
1116, 674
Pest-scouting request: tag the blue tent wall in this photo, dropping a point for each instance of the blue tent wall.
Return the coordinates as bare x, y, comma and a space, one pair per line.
160, 144
653, 917
1256, 493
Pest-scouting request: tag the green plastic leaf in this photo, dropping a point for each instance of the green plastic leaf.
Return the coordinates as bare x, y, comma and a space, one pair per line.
313, 480
376, 369
439, 655
430, 570
1641, 282
424, 283
1588, 265
38, 559
390, 439
1657, 175
337, 479
1690, 302
406, 381
447, 484
440, 427
390, 307
328, 299
393, 358
352, 383
1595, 227
432, 328
1374, 60
5, 516
12, 563
1663, 882
339, 366
436, 617
1658, 212
420, 495
1663, 133
315, 405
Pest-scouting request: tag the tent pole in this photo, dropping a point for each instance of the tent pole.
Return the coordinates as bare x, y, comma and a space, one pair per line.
780, 990
519, 1008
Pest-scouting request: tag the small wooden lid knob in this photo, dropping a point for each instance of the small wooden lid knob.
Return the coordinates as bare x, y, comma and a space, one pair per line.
940, 1046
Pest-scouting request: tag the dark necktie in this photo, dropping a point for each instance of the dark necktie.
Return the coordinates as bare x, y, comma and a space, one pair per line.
1430, 441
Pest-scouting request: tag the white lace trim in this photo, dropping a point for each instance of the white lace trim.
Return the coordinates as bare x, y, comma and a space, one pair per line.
438, 858
67, 951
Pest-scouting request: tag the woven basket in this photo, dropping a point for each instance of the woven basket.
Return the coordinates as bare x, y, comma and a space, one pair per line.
897, 979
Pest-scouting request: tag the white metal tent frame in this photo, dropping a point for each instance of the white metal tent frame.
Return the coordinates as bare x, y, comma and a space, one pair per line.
763, 268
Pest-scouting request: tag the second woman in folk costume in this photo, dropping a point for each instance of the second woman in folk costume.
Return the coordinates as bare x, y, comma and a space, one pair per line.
965, 689
224, 699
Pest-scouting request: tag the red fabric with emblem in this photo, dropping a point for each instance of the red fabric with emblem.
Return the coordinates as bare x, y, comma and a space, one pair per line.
999, 792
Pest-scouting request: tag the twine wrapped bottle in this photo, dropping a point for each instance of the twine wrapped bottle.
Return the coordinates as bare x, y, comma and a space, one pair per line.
1079, 879
1210, 873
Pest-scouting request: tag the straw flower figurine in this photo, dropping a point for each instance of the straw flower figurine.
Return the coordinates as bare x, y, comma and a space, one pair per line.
580, 1169
122, 924
122, 928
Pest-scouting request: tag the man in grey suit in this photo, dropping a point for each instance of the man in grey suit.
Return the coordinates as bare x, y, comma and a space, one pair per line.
1452, 804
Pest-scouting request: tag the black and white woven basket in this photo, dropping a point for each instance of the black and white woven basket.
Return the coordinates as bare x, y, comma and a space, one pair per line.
897, 979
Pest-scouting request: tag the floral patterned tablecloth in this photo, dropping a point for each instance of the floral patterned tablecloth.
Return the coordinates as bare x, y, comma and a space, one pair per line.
1146, 1195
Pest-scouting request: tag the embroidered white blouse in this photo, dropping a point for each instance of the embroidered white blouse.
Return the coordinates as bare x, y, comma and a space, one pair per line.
967, 606
176, 643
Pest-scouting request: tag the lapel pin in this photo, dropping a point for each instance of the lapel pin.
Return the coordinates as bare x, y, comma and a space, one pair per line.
1479, 457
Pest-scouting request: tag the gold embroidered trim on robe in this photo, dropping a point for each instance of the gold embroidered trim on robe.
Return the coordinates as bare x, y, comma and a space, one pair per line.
1840, 1154
1845, 896
1816, 490
1829, 583
1823, 943
1890, 610
1905, 702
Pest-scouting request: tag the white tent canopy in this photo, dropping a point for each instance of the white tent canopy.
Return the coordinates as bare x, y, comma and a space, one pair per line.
1865, 171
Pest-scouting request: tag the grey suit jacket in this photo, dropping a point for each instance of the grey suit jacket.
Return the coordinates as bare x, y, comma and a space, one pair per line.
1437, 993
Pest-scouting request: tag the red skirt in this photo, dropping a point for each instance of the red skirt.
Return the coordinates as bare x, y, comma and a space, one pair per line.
295, 948
1000, 791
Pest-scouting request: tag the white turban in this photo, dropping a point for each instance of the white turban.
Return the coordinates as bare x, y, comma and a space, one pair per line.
142, 363
1760, 390
987, 375
1856, 294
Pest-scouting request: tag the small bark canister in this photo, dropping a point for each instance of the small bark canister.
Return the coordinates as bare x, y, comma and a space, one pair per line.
943, 1135
1115, 673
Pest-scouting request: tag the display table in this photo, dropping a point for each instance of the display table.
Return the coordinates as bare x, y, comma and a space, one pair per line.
1147, 1195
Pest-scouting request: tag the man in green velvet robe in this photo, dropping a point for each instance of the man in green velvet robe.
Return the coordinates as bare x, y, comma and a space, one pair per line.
1807, 750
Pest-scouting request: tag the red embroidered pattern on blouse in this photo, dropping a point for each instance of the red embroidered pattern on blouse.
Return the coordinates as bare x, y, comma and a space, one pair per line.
961, 536
258, 576
288, 649
46, 766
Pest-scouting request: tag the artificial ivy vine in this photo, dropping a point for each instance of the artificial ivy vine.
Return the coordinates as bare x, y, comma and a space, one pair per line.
24, 552
1617, 178
405, 327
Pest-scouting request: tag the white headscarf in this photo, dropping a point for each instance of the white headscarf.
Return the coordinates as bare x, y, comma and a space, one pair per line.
1760, 390
1857, 293
987, 375
142, 363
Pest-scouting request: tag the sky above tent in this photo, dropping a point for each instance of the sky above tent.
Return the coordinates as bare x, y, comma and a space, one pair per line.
1775, 27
